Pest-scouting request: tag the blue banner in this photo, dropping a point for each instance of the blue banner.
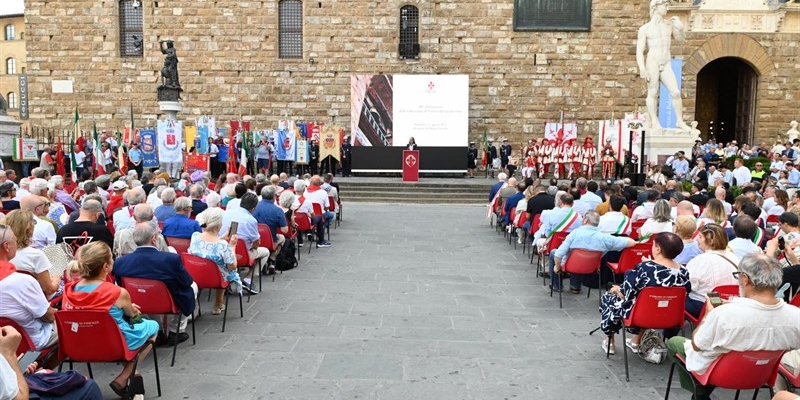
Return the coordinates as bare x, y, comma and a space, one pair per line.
285, 146
666, 113
202, 139
223, 153
302, 128
149, 150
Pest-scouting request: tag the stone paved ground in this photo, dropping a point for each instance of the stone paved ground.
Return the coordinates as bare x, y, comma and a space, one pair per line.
412, 302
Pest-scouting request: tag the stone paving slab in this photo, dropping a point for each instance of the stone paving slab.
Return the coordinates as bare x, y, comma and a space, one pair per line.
411, 302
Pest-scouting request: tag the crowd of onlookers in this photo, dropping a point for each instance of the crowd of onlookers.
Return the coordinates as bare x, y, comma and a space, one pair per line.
69, 247
699, 240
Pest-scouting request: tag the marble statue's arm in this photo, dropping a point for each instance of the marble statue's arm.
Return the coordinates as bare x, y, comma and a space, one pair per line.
641, 43
678, 32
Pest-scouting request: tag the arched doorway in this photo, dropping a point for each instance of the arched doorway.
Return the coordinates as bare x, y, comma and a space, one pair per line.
726, 100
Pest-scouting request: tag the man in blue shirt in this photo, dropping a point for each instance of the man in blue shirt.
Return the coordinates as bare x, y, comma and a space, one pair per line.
587, 237
167, 208
501, 178
680, 166
180, 225
135, 157
511, 202
271, 215
794, 174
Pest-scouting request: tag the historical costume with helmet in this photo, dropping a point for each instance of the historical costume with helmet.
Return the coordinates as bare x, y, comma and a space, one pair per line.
609, 159
575, 155
545, 157
589, 159
564, 159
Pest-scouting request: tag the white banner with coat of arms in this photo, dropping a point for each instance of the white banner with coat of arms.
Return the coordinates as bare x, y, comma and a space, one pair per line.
329, 142
170, 137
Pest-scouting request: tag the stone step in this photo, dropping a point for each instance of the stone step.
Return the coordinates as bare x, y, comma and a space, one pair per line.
413, 200
447, 191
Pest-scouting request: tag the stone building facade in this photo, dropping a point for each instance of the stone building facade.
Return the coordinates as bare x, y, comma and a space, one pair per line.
13, 58
230, 65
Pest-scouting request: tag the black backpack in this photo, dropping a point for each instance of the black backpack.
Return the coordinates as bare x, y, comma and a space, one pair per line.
286, 259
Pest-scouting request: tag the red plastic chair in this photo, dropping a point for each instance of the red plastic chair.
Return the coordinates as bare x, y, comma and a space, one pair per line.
581, 262
266, 241
553, 244
523, 218
160, 226
304, 225
792, 379
736, 370
655, 308
180, 245
205, 273
332, 205
78, 328
110, 225
635, 229
292, 235
319, 211
243, 261
795, 301
772, 219
535, 225
725, 293
26, 344
506, 230
153, 297
631, 257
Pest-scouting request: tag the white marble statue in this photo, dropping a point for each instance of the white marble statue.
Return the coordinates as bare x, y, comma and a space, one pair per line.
695, 132
792, 133
656, 36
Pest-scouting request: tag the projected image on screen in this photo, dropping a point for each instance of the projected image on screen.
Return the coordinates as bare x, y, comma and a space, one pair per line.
371, 110
388, 110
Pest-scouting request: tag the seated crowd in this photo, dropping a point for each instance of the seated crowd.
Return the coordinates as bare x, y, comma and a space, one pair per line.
699, 243
125, 226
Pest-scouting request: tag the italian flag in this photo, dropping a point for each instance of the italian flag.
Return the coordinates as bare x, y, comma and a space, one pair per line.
98, 153
243, 156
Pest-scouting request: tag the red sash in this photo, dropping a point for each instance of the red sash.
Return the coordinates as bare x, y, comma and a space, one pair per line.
102, 297
6, 268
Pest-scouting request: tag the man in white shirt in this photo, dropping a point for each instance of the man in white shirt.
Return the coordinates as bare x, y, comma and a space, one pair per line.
645, 210
776, 166
24, 185
769, 198
44, 233
727, 175
683, 207
614, 222
741, 173
124, 217
713, 174
755, 321
745, 230
719, 194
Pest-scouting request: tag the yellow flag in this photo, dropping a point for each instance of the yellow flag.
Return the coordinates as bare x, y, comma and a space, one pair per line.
191, 134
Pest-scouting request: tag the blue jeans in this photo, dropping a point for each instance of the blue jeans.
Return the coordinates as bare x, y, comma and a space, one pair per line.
320, 226
574, 279
329, 216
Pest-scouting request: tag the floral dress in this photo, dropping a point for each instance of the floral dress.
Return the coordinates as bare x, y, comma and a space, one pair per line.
220, 253
649, 273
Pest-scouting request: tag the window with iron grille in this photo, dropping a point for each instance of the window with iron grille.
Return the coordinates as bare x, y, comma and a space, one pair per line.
12, 100
131, 30
552, 15
290, 29
11, 66
409, 32
10, 32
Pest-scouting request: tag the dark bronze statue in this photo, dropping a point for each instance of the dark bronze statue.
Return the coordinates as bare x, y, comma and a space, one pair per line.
169, 73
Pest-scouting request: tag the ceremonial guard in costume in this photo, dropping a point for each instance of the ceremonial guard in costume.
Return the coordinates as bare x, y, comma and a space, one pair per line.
527, 148
494, 161
563, 159
575, 155
589, 157
505, 153
609, 159
546, 151
472, 159
347, 155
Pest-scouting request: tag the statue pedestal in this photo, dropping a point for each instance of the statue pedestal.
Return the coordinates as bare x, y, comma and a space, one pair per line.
662, 143
170, 108
9, 129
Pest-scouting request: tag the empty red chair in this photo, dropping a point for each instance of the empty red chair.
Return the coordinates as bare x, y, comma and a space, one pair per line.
581, 262
180, 245
153, 297
631, 257
206, 274
553, 244
78, 328
737, 370
655, 308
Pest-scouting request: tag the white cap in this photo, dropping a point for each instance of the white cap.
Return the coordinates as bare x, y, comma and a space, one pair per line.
119, 185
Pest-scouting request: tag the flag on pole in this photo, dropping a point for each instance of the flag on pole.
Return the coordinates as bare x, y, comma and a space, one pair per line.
99, 169
60, 168
485, 147
73, 165
123, 163
243, 155
232, 147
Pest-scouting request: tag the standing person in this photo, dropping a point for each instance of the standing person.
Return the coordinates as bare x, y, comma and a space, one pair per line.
472, 159
135, 158
347, 161
80, 157
575, 158
262, 156
108, 157
505, 153
213, 153
741, 174
494, 161
589, 157
545, 157
314, 159
412, 144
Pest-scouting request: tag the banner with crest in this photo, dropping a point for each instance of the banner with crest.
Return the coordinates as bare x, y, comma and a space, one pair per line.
556, 131
329, 142
170, 137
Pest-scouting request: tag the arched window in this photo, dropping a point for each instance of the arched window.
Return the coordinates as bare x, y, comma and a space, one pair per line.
409, 32
131, 29
11, 66
10, 32
290, 29
12, 100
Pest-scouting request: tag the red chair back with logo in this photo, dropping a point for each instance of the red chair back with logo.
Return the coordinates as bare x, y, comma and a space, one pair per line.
658, 308
631, 257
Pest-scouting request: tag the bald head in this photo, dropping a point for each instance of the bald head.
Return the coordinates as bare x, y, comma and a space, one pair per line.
136, 196
316, 180
32, 203
719, 193
512, 181
143, 212
685, 208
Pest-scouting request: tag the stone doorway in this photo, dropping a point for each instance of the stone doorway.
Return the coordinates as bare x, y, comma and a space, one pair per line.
726, 100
